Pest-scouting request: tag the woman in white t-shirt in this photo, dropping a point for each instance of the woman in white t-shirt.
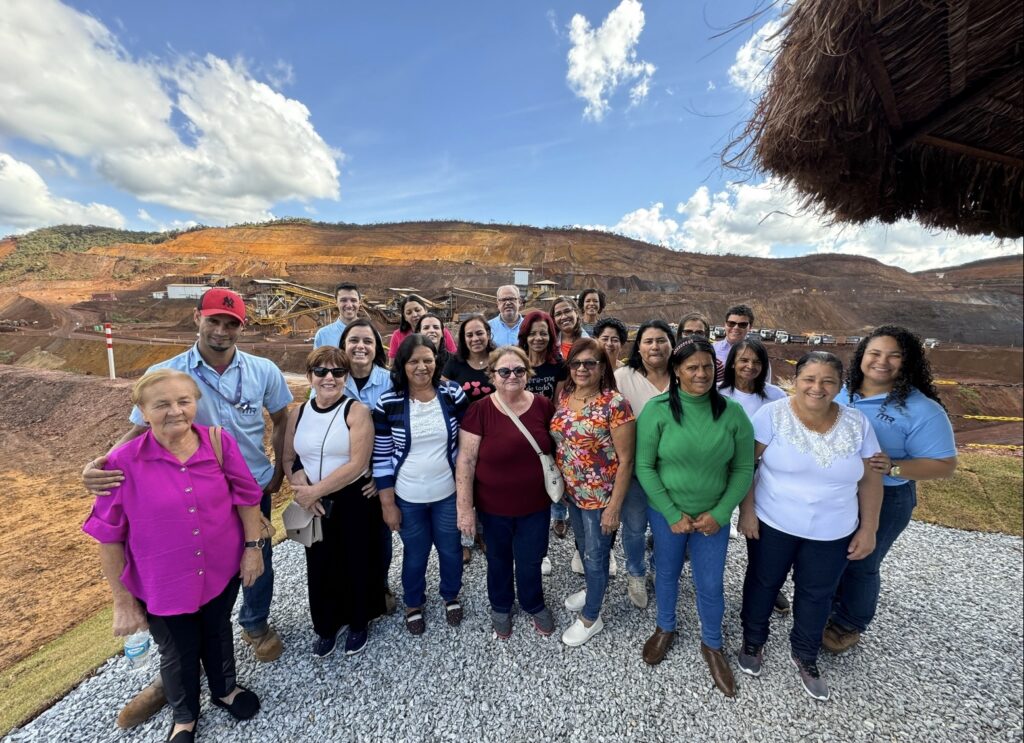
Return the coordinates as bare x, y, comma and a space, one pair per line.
746, 377
813, 507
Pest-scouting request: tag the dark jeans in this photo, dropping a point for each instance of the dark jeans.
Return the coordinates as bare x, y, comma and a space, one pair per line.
185, 640
344, 572
856, 598
594, 547
425, 525
515, 547
817, 566
256, 598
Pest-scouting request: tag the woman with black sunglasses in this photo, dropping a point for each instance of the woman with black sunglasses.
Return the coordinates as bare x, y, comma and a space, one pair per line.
500, 478
327, 453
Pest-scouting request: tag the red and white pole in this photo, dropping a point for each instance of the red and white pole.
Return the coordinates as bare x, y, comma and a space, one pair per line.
110, 348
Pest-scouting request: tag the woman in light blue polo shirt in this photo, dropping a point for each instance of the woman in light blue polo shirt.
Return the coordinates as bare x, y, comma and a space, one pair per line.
890, 381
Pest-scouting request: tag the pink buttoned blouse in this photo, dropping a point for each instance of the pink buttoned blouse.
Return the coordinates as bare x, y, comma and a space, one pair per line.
183, 538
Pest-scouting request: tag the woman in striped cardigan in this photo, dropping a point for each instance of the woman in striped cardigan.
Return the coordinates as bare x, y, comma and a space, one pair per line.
416, 435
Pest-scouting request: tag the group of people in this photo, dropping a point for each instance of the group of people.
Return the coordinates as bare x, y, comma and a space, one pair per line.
443, 438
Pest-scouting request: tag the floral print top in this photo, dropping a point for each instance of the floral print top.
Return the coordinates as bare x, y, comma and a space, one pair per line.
584, 449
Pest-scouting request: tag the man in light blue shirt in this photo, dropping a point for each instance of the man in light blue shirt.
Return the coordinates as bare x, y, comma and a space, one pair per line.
738, 320
505, 326
236, 388
347, 297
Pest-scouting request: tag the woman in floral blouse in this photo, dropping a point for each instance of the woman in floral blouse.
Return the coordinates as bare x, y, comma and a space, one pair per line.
594, 433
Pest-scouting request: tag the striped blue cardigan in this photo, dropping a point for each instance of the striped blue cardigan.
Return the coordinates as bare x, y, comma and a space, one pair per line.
391, 430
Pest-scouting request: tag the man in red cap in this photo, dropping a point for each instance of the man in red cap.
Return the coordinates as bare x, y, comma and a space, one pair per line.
237, 387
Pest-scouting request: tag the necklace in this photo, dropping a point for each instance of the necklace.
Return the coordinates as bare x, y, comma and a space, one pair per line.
585, 398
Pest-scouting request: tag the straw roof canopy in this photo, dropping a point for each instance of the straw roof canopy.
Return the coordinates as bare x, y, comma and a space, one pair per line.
892, 109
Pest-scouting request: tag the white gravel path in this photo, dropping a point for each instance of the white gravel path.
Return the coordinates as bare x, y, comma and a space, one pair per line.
943, 661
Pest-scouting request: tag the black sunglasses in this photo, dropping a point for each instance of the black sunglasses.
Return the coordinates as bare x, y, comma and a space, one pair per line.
504, 372
323, 371
587, 364
734, 324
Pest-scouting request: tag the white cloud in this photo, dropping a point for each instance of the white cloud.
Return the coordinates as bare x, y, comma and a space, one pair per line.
711, 85
280, 74
68, 84
156, 224
26, 202
749, 72
604, 58
766, 220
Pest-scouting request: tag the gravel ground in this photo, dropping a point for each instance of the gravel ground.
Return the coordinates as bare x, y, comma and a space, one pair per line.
943, 661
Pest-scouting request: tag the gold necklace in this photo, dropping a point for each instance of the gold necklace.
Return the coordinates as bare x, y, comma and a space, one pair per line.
585, 398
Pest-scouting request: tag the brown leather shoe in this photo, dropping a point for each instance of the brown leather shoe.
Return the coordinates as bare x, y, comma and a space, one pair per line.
266, 647
560, 527
838, 640
144, 705
657, 645
721, 674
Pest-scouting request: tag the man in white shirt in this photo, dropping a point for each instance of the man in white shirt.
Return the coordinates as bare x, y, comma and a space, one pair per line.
505, 327
347, 297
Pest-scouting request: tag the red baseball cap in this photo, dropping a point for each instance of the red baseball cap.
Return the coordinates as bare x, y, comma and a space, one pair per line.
222, 302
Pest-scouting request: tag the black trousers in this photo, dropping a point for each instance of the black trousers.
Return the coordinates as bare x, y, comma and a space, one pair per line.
185, 640
345, 572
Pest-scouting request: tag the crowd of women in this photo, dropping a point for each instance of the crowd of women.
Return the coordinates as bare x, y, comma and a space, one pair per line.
452, 441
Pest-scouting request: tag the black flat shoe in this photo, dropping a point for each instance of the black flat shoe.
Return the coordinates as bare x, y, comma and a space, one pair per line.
245, 705
183, 736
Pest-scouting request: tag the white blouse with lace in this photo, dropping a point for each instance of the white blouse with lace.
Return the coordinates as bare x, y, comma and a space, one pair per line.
806, 484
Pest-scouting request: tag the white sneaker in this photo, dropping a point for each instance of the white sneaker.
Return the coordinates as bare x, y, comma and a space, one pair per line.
545, 566
576, 601
577, 563
636, 589
578, 633
613, 565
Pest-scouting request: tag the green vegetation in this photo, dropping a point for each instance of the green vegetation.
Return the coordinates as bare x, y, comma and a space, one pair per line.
983, 495
970, 399
31, 249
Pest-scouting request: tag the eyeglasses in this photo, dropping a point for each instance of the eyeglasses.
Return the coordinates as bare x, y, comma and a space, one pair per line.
692, 332
588, 364
504, 372
323, 371
733, 324
503, 300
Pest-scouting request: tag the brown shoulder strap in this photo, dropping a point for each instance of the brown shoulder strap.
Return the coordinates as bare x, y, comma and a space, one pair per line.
215, 442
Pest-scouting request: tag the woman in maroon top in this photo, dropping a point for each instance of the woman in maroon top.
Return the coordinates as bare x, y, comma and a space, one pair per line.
499, 465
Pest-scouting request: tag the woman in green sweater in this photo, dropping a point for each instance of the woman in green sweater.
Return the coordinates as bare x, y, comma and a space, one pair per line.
695, 461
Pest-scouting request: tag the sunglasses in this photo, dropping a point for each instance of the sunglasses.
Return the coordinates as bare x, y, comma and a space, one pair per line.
588, 364
733, 324
504, 372
323, 371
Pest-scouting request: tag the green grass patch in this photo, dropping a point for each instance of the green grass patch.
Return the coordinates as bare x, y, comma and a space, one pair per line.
30, 686
985, 494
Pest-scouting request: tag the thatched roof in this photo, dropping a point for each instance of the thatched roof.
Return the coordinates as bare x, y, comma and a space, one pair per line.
895, 109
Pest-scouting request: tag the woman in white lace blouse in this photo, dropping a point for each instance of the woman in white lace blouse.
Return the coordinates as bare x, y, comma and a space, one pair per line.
814, 506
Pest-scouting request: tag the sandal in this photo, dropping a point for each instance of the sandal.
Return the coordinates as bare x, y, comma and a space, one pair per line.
414, 621
453, 612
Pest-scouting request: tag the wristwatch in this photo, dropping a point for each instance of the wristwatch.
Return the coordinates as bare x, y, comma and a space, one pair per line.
894, 470
256, 545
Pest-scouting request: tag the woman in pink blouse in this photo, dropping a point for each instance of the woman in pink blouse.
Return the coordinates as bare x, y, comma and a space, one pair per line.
177, 539
595, 434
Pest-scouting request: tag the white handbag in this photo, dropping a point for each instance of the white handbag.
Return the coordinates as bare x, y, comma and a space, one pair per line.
553, 483
302, 526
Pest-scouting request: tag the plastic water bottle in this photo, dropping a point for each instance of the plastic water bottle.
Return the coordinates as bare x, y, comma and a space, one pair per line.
138, 649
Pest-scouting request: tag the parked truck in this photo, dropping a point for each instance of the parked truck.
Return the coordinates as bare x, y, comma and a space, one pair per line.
781, 336
767, 334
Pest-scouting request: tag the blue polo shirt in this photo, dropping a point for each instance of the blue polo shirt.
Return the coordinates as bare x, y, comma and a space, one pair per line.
378, 383
502, 334
330, 335
920, 429
234, 400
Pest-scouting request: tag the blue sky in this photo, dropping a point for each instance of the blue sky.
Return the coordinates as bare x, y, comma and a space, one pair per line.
608, 114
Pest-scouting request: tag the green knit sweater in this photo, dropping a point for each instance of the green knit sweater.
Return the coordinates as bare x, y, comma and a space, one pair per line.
698, 465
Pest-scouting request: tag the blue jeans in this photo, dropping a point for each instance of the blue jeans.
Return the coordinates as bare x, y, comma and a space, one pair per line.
817, 566
594, 548
425, 525
707, 563
515, 547
634, 529
256, 598
857, 596
560, 510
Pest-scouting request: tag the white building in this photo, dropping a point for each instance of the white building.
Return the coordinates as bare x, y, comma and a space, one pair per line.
186, 291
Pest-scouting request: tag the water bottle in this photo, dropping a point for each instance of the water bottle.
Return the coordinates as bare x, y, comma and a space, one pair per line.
138, 649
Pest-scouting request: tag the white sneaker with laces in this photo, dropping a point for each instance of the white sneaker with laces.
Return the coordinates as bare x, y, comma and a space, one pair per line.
578, 633
576, 601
